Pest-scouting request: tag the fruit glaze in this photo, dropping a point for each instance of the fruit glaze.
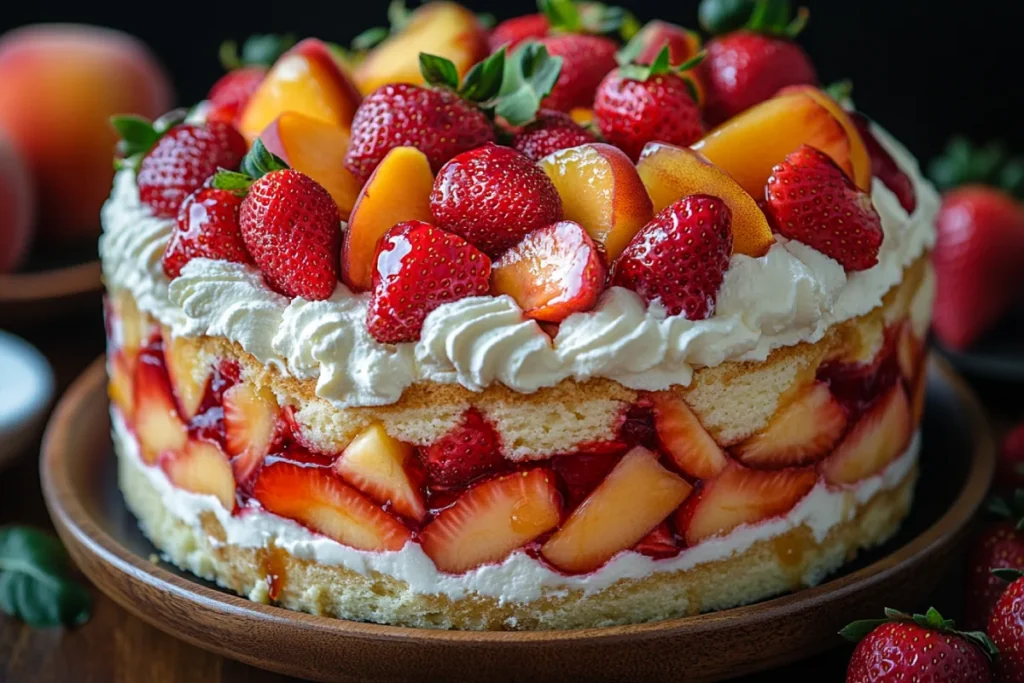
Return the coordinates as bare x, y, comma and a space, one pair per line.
461, 333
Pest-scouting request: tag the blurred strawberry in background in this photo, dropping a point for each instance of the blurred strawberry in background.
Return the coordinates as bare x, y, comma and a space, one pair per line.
59, 86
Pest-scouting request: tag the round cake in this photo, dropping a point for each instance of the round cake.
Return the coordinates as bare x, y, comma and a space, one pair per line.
364, 362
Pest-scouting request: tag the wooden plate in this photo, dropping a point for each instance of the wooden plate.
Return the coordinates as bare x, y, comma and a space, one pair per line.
27, 298
79, 481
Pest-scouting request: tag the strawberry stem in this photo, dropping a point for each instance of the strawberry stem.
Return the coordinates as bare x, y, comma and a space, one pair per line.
529, 76
963, 163
258, 162
1006, 574
139, 135
932, 620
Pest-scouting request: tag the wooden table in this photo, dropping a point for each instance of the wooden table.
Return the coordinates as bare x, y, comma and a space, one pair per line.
115, 647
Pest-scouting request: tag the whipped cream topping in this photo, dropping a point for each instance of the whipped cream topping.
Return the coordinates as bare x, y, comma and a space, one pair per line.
790, 295
519, 578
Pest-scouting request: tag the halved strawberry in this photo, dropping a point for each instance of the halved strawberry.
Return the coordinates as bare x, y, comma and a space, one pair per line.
581, 473
553, 272
875, 441
251, 426
684, 439
316, 498
202, 468
469, 451
375, 464
634, 498
742, 496
188, 379
800, 433
660, 543
493, 519
158, 426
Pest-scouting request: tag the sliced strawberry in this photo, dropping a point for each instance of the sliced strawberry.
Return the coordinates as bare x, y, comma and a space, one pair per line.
876, 440
375, 463
251, 428
493, 519
884, 167
189, 378
742, 496
660, 543
635, 498
201, 468
207, 227
554, 272
581, 473
469, 451
684, 439
157, 423
800, 433
317, 499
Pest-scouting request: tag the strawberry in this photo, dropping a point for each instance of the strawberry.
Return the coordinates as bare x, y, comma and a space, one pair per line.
638, 104
1006, 628
289, 223
550, 132
469, 451
232, 91
581, 473
1010, 469
207, 227
845, 226
660, 543
174, 159
493, 197
999, 546
252, 427
418, 268
695, 231
511, 32
883, 166
924, 647
684, 439
585, 62
656, 35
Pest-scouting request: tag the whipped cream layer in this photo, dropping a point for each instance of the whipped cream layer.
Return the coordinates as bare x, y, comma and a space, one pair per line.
790, 295
520, 578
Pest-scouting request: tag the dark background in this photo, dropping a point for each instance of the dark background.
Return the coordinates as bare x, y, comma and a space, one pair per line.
924, 69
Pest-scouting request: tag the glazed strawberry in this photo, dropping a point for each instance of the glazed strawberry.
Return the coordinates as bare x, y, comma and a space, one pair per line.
551, 132
637, 104
493, 197
680, 257
207, 227
511, 32
418, 268
232, 91
999, 546
682, 437
1010, 469
585, 62
470, 450
845, 226
884, 167
1006, 628
924, 647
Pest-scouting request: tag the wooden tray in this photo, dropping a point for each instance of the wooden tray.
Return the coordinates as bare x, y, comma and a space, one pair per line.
79, 481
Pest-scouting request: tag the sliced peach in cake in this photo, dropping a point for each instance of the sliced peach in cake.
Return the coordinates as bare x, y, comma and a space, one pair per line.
251, 426
398, 190
316, 148
203, 468
633, 499
316, 498
552, 273
877, 439
158, 426
307, 80
670, 173
375, 463
131, 324
750, 144
188, 376
492, 519
800, 433
742, 496
600, 190
684, 439
444, 29
909, 351
121, 388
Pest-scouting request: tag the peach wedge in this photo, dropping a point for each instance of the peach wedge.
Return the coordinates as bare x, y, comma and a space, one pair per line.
671, 173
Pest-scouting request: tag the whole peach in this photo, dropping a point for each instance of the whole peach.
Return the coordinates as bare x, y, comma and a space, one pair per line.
17, 207
59, 85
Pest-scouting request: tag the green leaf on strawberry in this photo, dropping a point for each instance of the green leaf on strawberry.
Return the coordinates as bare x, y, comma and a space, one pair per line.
963, 163
438, 71
258, 162
723, 16
138, 135
35, 580
770, 17
483, 82
932, 619
257, 50
530, 75
1008, 575
660, 65
566, 16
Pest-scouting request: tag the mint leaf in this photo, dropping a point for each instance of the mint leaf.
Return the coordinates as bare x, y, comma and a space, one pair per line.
483, 82
439, 71
259, 161
35, 583
369, 38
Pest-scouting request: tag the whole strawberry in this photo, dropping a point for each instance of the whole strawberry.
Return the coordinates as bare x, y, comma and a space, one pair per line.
884, 167
585, 62
639, 104
551, 132
680, 257
810, 199
511, 32
207, 227
471, 449
1006, 628
289, 223
493, 197
999, 546
417, 268
656, 35
903, 648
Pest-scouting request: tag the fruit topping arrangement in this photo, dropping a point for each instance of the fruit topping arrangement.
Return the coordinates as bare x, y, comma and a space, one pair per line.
546, 160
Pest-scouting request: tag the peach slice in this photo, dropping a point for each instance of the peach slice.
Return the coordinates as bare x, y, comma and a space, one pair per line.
876, 440
188, 378
121, 387
444, 29
307, 80
251, 426
131, 326
397, 191
749, 145
600, 190
635, 497
375, 464
670, 173
157, 425
582, 116
202, 468
316, 148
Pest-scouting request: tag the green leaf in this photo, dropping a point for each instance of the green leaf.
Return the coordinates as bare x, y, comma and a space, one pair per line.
228, 55
963, 163
259, 162
530, 75
369, 38
858, 630
487, 20
1008, 575
982, 641
600, 19
232, 181
169, 120
563, 15
722, 16
439, 71
691, 63
770, 16
264, 50
135, 131
840, 91
629, 53
483, 82
930, 620
798, 24
398, 15
998, 507
35, 582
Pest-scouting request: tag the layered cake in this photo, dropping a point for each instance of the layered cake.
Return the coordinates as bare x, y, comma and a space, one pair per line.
479, 338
